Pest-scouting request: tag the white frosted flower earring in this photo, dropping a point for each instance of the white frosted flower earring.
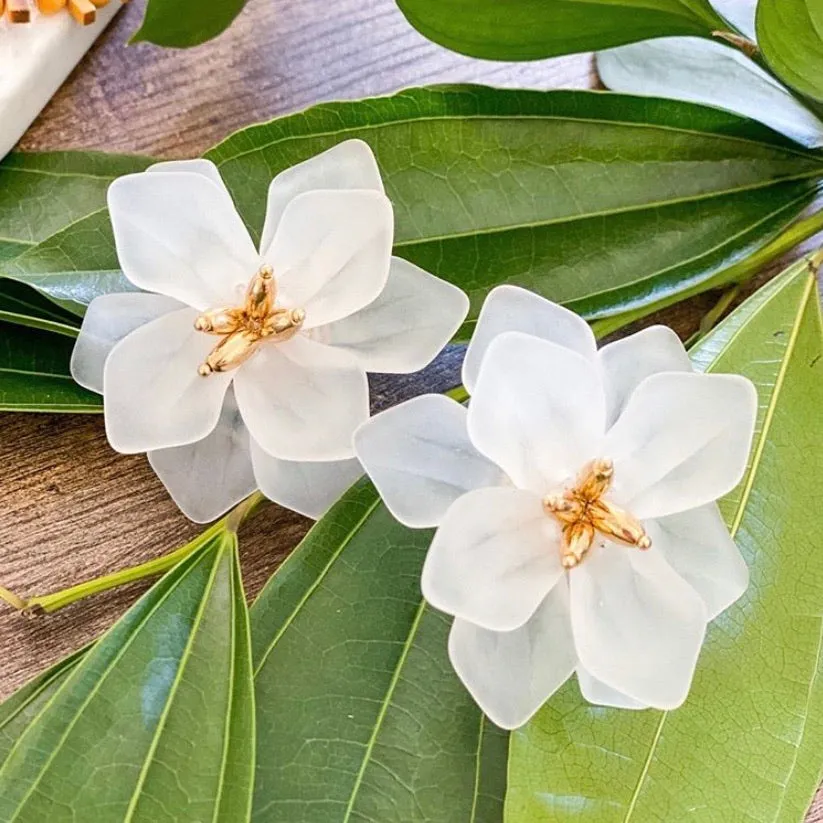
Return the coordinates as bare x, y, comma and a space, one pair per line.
574, 500
236, 368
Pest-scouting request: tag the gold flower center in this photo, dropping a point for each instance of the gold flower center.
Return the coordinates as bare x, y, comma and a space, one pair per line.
244, 328
583, 512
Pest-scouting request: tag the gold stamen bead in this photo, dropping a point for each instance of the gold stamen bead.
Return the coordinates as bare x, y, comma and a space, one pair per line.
202, 323
644, 542
266, 272
298, 316
204, 369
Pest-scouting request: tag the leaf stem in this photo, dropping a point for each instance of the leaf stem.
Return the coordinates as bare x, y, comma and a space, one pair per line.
48, 603
734, 275
714, 315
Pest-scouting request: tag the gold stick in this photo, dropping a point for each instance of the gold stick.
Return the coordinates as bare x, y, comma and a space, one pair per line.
51, 6
83, 11
18, 11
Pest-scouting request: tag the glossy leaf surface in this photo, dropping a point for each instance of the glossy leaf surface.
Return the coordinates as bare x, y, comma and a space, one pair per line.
155, 723
790, 35
34, 373
533, 29
360, 717
184, 23
747, 743
599, 201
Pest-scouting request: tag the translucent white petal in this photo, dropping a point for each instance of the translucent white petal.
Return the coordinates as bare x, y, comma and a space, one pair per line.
419, 456
537, 411
638, 626
405, 328
493, 559
108, 319
209, 477
683, 440
178, 234
697, 545
628, 362
307, 488
702, 71
348, 165
509, 308
331, 252
302, 400
512, 674
600, 694
197, 166
154, 397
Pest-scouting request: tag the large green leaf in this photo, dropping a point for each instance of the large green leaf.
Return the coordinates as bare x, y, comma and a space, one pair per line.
156, 722
24, 306
533, 29
360, 716
747, 743
603, 202
40, 194
790, 35
183, 23
599, 201
34, 373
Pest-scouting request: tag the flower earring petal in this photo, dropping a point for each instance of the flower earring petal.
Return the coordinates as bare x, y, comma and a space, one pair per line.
154, 397
421, 459
108, 319
348, 165
512, 674
405, 328
308, 488
179, 234
207, 478
494, 558
682, 441
510, 308
597, 692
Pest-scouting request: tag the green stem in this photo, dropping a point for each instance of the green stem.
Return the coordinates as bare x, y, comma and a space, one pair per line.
714, 315
735, 274
57, 600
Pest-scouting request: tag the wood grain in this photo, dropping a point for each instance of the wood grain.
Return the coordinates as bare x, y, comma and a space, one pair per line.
72, 509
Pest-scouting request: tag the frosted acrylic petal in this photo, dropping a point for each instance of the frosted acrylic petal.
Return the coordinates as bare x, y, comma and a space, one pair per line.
703, 71
153, 396
512, 674
207, 478
348, 165
108, 319
600, 694
178, 234
405, 328
638, 627
309, 488
698, 546
510, 308
493, 559
682, 441
538, 411
302, 400
200, 166
419, 456
628, 362
331, 253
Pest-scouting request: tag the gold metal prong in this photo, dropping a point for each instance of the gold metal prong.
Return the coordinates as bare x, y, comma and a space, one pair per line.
615, 522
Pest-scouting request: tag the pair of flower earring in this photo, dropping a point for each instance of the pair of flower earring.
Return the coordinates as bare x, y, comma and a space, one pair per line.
574, 498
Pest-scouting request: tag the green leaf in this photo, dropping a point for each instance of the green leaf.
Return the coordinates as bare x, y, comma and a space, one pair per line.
34, 373
599, 201
22, 708
747, 743
40, 194
155, 723
184, 23
603, 202
534, 29
26, 307
790, 35
360, 716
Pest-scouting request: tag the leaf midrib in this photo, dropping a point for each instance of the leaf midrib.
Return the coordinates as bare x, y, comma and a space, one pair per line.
744, 499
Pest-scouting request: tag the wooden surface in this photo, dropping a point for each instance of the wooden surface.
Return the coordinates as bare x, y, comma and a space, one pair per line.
71, 507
